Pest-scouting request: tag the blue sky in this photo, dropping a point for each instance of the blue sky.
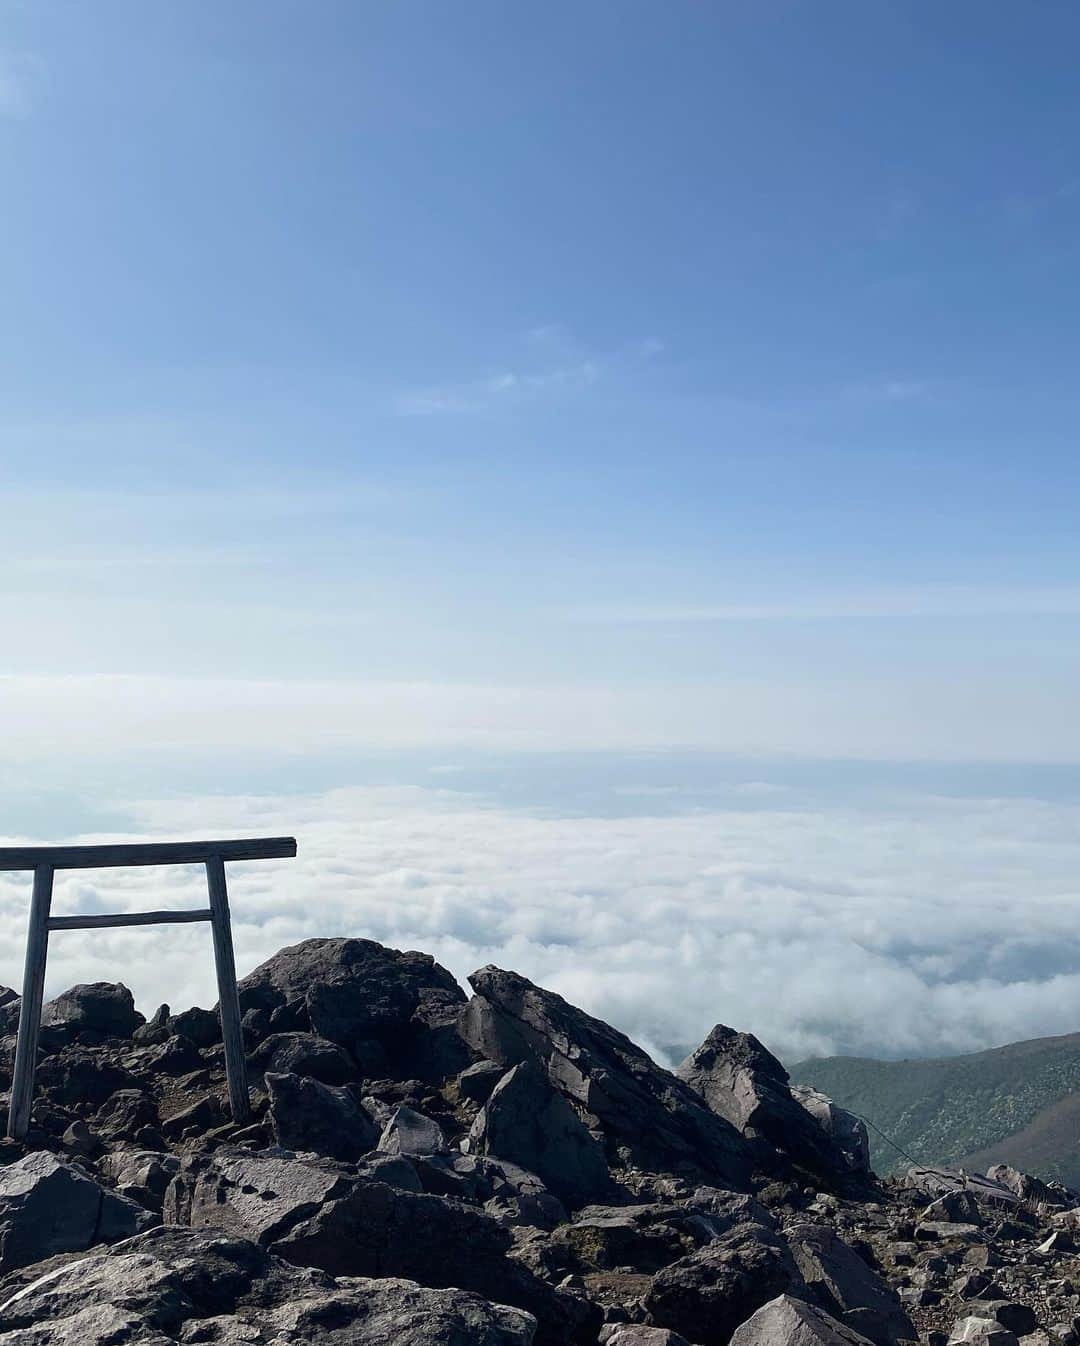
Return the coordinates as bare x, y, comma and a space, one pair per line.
585, 344
399, 389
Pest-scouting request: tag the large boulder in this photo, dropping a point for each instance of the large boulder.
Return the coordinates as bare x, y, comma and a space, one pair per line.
184, 1285
530, 1124
841, 1281
104, 1009
302, 1054
395, 1013
937, 1182
744, 1083
787, 1321
49, 1207
647, 1115
321, 1215
307, 1115
706, 1295
848, 1133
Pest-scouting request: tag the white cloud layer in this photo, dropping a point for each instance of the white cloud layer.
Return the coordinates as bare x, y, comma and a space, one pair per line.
927, 926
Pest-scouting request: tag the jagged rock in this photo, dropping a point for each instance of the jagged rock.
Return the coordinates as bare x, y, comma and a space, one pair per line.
937, 1182
175, 1285
124, 1114
49, 1207
981, 1332
1017, 1318
200, 1116
410, 1132
303, 1054
140, 1175
745, 1084
106, 1009
954, 1207
385, 1007
848, 1133
530, 1124
477, 1081
1029, 1188
642, 1238
634, 1334
200, 1026
177, 1055
156, 1028
78, 1077
307, 1115
706, 1295
393, 1169
656, 1117
841, 1280
787, 1321
322, 1216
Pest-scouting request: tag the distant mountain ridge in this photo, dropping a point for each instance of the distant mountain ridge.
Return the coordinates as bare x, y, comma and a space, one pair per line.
1018, 1104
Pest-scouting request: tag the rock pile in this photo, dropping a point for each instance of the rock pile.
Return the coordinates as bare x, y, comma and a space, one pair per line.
503, 1170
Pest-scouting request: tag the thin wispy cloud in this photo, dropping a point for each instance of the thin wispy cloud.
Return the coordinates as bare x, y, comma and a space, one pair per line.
502, 389
931, 601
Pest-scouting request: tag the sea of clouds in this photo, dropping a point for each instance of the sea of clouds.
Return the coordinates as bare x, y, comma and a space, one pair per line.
912, 924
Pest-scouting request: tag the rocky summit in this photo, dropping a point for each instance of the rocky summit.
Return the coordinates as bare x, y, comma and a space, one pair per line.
500, 1170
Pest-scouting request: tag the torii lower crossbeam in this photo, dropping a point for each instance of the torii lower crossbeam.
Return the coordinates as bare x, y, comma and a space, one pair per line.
45, 860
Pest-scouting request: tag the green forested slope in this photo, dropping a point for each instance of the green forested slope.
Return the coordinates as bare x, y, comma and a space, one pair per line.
1011, 1104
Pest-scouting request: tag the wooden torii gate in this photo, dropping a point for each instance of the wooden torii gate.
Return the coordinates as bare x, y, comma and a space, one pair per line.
45, 860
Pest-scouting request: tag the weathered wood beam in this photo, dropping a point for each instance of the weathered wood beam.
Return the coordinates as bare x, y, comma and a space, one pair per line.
228, 997
37, 946
146, 853
101, 922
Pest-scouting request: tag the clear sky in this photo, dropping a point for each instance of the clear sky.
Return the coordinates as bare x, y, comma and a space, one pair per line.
493, 377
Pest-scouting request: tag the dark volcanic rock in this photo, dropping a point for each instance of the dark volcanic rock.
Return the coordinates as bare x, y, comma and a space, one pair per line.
106, 1009
175, 1285
745, 1084
529, 1123
303, 1054
49, 1207
322, 1216
411, 1133
307, 1115
843, 1283
847, 1132
380, 1005
707, 1295
658, 1120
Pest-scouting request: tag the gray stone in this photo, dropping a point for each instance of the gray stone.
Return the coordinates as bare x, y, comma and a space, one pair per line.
745, 1084
981, 1332
307, 1115
528, 1123
49, 1207
840, 1279
708, 1294
787, 1321
103, 1008
381, 1005
318, 1214
847, 1132
176, 1285
634, 1334
656, 1118
410, 1132
304, 1054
